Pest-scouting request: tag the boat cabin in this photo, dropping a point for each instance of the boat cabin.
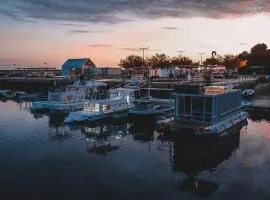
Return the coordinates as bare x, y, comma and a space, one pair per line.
106, 103
145, 104
205, 104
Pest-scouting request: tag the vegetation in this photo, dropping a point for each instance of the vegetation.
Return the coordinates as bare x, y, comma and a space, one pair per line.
259, 55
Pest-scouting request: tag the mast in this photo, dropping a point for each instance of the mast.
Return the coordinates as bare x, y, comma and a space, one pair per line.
143, 50
149, 82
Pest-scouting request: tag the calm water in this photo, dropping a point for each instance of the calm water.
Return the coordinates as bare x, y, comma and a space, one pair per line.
42, 159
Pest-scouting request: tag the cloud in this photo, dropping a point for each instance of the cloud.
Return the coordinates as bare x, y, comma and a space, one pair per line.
15, 17
129, 49
115, 11
99, 45
78, 31
73, 25
169, 28
243, 43
137, 49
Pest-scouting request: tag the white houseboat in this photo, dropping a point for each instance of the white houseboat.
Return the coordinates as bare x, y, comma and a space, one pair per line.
102, 106
206, 110
71, 98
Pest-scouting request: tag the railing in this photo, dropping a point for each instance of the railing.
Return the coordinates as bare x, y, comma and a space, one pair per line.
197, 118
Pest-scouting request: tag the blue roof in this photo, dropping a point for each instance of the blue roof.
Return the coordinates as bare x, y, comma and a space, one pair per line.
75, 63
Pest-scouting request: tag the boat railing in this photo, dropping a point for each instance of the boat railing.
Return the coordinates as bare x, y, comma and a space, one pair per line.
197, 118
232, 110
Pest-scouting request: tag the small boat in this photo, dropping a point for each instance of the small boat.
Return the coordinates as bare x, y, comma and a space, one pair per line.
100, 108
149, 108
4, 93
248, 94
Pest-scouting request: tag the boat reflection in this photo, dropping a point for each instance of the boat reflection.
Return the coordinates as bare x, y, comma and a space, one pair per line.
194, 156
104, 138
143, 132
258, 114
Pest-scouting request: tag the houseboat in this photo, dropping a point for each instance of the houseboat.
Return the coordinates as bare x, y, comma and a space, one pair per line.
206, 110
102, 106
68, 99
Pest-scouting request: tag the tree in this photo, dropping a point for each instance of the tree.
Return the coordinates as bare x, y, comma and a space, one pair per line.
259, 49
159, 61
229, 61
258, 55
181, 61
131, 62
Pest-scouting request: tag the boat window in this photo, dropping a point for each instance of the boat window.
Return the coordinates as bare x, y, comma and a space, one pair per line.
106, 107
68, 98
55, 98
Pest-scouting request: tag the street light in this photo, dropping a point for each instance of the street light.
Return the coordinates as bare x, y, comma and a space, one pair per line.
201, 54
181, 52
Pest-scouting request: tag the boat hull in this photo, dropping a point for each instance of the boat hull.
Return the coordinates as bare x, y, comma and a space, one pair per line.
57, 107
219, 129
143, 116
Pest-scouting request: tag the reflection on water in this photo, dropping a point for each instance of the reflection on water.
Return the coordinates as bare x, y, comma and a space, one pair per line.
194, 157
124, 160
257, 114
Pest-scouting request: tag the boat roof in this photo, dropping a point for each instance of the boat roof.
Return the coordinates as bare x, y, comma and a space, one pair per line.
205, 94
125, 89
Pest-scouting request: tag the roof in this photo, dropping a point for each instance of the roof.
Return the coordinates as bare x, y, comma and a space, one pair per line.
76, 63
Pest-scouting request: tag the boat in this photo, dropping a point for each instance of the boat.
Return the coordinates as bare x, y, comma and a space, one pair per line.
4, 93
68, 99
102, 106
248, 94
206, 110
148, 107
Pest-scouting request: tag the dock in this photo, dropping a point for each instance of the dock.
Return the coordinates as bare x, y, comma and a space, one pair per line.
262, 96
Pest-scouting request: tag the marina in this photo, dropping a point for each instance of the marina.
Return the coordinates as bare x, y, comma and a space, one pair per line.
134, 100
165, 165
194, 137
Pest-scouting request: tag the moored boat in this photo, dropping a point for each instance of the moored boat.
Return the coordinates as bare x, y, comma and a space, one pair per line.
68, 99
102, 107
207, 110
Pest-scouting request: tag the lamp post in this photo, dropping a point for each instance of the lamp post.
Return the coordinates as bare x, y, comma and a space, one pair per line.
181, 52
201, 54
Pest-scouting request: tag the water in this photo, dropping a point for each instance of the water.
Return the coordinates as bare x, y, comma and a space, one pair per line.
42, 159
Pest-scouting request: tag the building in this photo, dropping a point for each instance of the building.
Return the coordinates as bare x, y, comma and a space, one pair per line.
74, 68
109, 71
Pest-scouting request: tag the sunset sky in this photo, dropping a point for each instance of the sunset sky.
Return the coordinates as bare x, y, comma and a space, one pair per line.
37, 31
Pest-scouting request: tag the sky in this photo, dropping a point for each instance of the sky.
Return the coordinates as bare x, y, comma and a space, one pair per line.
44, 33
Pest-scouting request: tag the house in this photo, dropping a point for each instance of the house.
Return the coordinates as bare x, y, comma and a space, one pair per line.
74, 68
